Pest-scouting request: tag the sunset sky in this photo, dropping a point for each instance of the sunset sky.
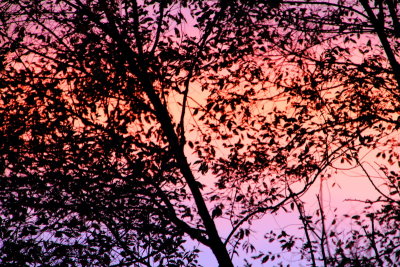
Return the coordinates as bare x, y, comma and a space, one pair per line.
132, 127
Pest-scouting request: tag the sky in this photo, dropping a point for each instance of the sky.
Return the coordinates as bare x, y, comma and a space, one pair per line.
341, 194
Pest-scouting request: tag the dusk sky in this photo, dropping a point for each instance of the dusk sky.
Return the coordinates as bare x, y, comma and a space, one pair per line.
199, 133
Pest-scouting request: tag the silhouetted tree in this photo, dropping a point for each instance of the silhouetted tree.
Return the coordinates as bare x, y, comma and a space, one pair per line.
342, 77
130, 127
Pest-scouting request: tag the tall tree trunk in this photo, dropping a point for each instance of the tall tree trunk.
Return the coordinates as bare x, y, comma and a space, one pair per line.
378, 24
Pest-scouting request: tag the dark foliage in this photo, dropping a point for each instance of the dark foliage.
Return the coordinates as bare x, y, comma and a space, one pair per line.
130, 127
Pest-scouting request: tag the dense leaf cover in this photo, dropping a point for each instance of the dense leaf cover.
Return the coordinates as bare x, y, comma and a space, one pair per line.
130, 127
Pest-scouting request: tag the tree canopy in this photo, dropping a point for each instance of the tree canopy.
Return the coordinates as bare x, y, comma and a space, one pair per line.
131, 127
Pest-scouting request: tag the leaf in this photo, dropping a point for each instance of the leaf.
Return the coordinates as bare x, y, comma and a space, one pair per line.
265, 259
216, 212
239, 198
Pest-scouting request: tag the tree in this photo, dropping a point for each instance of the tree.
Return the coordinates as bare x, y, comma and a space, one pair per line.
132, 126
345, 55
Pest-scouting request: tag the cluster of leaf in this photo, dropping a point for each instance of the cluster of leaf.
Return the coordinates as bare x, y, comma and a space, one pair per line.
76, 191
76, 188
375, 235
314, 92
104, 138
368, 238
342, 81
